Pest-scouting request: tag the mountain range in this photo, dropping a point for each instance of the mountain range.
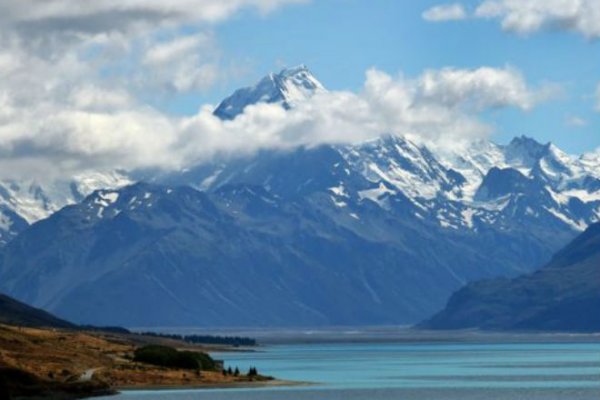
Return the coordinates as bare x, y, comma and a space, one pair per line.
24, 202
377, 232
562, 296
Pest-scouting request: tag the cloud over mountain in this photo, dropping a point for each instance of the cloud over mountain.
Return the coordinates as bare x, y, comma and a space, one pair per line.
94, 127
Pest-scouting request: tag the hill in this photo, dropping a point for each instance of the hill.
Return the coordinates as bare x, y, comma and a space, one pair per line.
13, 312
563, 296
67, 364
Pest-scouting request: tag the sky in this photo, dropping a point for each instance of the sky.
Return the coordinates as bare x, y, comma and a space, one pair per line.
132, 83
341, 39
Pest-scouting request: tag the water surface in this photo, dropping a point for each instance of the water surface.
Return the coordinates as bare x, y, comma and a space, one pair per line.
418, 371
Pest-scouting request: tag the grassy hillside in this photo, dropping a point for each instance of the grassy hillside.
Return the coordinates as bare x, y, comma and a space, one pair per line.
72, 364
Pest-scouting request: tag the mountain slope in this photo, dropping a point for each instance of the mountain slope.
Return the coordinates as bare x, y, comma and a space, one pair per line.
563, 296
149, 255
13, 312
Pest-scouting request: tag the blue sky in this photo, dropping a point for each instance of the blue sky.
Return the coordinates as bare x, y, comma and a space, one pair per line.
340, 39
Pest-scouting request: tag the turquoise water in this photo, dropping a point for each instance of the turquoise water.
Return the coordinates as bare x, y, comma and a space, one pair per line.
439, 371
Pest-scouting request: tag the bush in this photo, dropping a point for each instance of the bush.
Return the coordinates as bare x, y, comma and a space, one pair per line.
169, 357
205, 361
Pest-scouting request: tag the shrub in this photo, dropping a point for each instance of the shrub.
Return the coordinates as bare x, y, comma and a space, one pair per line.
206, 362
169, 357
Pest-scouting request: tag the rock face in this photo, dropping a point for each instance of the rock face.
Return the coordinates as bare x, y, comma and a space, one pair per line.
562, 296
380, 232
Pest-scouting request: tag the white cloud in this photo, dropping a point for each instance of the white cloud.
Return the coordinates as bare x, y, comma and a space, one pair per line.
90, 97
581, 16
140, 41
576, 122
93, 17
183, 64
71, 73
483, 87
168, 52
438, 106
445, 12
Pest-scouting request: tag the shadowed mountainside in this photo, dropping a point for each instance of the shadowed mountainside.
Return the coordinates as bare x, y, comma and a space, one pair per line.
13, 312
562, 296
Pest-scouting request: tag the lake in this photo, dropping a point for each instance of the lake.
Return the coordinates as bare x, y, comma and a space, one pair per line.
418, 371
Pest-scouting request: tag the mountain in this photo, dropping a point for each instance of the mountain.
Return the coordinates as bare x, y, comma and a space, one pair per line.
378, 232
258, 252
23, 202
13, 312
287, 88
562, 296
149, 255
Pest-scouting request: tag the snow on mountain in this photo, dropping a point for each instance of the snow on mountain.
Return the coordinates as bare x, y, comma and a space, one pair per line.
488, 185
524, 152
287, 88
481, 185
423, 174
27, 201
456, 188
410, 168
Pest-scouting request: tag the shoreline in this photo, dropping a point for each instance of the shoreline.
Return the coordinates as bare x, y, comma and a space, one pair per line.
210, 386
67, 364
404, 335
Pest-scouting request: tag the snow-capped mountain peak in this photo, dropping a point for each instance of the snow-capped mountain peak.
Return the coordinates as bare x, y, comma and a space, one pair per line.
25, 202
287, 88
402, 164
297, 84
525, 152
